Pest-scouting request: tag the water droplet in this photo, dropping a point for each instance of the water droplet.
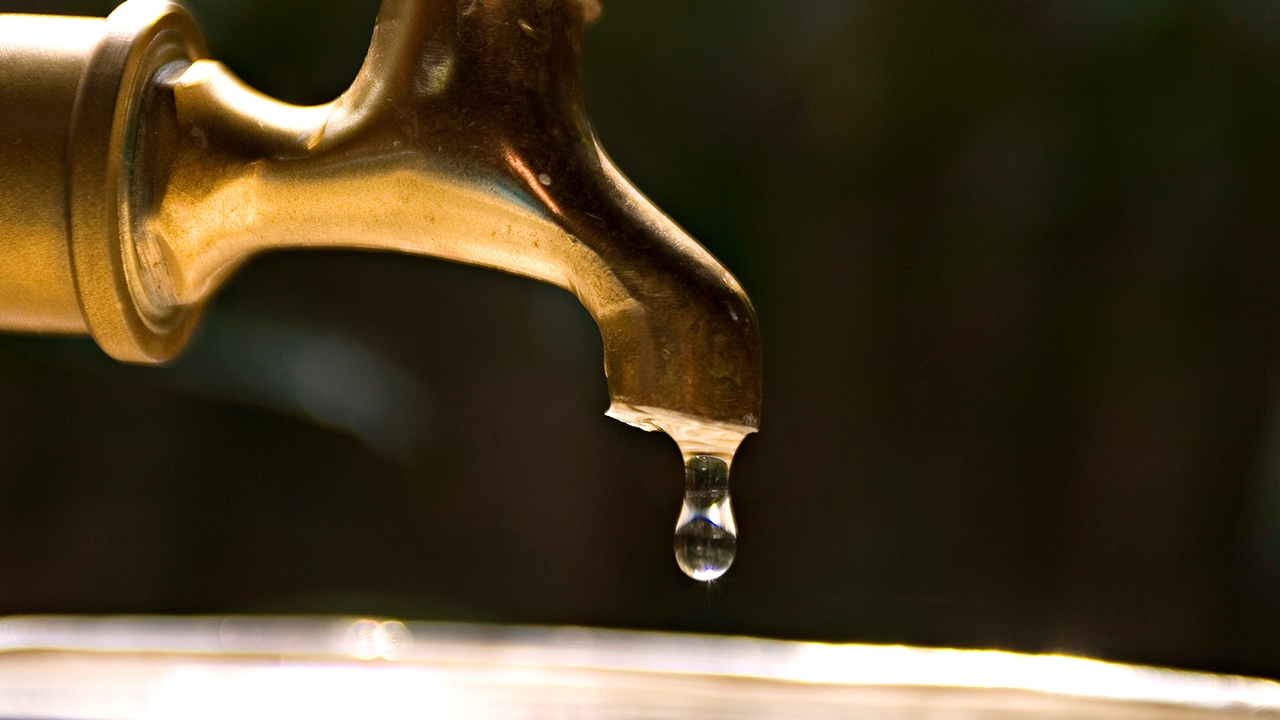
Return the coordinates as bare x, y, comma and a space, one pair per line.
706, 534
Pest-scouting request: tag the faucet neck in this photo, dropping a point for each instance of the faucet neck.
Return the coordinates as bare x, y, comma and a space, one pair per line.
463, 137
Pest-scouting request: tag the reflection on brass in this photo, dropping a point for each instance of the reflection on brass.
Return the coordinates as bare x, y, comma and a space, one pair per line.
136, 175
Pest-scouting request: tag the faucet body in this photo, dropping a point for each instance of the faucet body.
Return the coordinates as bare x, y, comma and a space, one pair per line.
139, 175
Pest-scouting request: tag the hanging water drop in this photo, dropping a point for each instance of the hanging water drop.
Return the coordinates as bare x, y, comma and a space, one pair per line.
706, 535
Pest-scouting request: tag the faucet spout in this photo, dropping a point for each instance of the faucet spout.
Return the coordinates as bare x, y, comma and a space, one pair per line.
463, 137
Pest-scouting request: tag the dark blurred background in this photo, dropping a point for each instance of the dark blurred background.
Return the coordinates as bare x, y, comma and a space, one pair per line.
1018, 275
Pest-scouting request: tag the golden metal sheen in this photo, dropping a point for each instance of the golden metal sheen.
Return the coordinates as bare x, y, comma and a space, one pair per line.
136, 175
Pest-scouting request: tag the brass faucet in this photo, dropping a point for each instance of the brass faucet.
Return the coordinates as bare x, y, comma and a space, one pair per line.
136, 175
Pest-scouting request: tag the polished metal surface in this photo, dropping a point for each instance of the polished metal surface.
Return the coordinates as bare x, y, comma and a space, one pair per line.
41, 62
248, 667
141, 174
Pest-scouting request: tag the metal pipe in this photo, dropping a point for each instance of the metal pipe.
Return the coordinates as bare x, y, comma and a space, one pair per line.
137, 175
